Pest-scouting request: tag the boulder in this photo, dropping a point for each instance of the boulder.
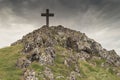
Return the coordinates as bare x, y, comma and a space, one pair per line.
72, 43
51, 51
39, 41
47, 57
28, 46
112, 58
34, 56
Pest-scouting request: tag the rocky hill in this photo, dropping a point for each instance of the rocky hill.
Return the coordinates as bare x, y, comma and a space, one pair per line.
58, 53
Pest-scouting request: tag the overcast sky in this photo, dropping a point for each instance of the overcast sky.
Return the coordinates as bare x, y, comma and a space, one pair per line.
99, 19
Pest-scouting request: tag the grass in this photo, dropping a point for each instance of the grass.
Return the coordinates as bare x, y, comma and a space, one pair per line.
8, 70
8, 57
97, 73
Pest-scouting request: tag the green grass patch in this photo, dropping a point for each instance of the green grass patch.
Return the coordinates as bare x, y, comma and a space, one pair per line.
92, 72
8, 58
37, 67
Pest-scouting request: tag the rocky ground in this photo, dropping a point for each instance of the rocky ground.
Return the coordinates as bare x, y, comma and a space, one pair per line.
56, 47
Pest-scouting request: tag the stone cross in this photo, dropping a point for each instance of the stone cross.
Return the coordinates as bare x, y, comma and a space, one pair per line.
47, 15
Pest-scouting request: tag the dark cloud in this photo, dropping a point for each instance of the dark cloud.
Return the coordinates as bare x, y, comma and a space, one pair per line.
79, 12
94, 17
31, 9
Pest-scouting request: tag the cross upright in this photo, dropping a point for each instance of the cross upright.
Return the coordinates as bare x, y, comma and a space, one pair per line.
47, 15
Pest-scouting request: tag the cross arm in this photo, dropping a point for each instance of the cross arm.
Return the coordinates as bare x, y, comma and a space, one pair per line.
51, 14
43, 14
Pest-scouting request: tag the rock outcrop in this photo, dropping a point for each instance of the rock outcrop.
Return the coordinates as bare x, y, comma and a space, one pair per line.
29, 75
40, 46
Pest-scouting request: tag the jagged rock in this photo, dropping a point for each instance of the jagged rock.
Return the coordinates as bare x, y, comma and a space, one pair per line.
112, 58
48, 74
46, 59
50, 42
42, 59
83, 56
96, 47
34, 56
23, 62
39, 41
72, 43
40, 46
51, 51
28, 47
74, 75
30, 75
66, 37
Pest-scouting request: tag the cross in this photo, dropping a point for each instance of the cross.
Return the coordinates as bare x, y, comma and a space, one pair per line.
47, 15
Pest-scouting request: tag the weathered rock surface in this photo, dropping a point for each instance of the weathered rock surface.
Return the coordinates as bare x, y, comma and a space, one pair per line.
23, 62
47, 57
29, 75
40, 46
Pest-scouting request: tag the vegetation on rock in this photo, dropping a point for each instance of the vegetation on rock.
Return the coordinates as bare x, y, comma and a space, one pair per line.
58, 53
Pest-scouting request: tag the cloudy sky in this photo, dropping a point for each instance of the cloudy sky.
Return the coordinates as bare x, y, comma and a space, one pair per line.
99, 19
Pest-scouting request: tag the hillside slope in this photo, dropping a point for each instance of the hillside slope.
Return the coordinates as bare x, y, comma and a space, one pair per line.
8, 58
58, 53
